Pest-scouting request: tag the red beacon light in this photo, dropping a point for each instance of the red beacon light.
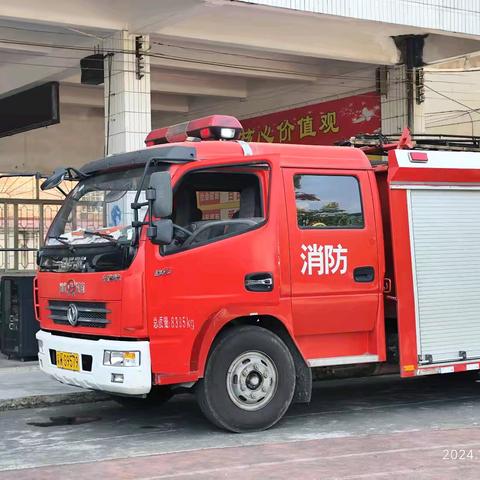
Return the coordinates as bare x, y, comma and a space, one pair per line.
214, 127
418, 157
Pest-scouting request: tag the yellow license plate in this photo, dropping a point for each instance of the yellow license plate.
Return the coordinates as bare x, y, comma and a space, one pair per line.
68, 361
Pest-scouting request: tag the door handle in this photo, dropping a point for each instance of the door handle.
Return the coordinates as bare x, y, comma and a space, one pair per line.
364, 274
259, 282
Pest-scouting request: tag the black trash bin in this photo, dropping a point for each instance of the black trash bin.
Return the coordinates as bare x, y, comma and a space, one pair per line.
18, 324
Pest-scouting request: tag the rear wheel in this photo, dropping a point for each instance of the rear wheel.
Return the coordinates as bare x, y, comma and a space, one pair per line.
249, 380
156, 397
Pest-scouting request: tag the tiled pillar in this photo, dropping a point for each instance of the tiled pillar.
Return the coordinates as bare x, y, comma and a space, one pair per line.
127, 97
399, 85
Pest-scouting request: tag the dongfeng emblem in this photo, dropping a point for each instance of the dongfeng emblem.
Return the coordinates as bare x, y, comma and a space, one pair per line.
72, 314
71, 287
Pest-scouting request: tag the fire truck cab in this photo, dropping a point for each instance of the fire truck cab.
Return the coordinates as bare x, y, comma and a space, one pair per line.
236, 268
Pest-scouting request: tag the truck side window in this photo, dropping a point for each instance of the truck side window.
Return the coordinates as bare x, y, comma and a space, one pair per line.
217, 205
210, 206
328, 201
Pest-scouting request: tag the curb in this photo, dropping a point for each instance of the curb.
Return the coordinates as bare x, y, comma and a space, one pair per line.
38, 401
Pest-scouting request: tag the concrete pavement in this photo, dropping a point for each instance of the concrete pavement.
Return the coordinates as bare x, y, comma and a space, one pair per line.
380, 427
6, 362
390, 456
23, 385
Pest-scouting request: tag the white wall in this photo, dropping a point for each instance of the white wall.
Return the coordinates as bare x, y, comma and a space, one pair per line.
78, 138
450, 98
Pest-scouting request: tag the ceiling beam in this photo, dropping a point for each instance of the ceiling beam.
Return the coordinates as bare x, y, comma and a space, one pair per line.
23, 50
102, 16
89, 96
30, 72
440, 48
27, 58
169, 103
79, 95
211, 59
171, 12
281, 31
463, 64
198, 84
183, 83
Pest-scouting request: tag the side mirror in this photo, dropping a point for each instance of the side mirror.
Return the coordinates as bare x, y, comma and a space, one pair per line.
163, 201
55, 179
161, 232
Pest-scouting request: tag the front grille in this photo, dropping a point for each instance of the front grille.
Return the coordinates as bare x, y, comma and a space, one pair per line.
90, 314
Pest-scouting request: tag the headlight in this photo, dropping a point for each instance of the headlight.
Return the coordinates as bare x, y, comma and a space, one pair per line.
40, 346
115, 358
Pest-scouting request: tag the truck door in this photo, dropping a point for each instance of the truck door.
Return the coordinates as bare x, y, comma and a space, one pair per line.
221, 264
336, 282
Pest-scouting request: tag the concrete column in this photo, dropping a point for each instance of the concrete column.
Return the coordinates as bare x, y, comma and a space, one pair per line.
393, 99
127, 94
401, 88
397, 86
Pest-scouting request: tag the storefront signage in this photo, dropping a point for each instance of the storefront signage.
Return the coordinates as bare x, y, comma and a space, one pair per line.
319, 124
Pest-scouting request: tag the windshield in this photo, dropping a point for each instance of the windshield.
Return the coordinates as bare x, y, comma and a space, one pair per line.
98, 210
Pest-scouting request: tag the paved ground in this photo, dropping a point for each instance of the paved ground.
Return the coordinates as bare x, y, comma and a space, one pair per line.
362, 428
23, 385
24, 381
6, 362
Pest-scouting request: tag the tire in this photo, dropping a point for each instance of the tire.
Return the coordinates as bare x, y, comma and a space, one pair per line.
156, 397
249, 380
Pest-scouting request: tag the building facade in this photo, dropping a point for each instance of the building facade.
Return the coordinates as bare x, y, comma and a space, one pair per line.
292, 70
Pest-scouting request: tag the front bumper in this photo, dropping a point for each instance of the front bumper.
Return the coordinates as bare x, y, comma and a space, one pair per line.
136, 380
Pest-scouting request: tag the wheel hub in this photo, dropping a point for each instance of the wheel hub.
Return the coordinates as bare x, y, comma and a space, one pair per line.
252, 380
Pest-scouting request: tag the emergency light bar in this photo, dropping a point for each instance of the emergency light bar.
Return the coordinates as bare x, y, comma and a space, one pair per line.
214, 127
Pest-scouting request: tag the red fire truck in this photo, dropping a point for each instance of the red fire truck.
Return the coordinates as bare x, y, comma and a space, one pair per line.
236, 269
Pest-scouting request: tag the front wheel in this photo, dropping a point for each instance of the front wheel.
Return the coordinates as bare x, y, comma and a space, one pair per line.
249, 380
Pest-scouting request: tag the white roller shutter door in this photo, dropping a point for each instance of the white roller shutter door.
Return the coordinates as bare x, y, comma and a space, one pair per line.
445, 242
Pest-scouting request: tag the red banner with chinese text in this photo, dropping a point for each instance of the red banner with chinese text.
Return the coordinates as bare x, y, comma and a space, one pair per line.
318, 124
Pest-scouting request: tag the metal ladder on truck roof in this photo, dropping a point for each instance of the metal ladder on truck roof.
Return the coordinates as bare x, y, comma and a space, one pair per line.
380, 144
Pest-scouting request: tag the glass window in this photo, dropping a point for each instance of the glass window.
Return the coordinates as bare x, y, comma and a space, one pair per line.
98, 210
216, 205
328, 201
210, 206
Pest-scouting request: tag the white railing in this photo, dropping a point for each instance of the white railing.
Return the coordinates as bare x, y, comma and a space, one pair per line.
461, 16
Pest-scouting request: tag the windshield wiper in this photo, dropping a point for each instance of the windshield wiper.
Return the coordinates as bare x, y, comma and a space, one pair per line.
63, 241
107, 236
